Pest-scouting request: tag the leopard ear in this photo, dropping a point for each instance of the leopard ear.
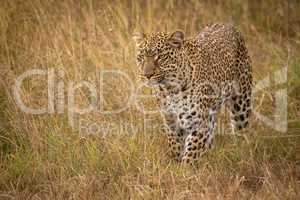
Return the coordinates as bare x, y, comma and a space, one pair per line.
176, 39
138, 37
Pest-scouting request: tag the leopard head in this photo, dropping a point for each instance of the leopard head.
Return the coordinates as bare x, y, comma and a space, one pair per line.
159, 56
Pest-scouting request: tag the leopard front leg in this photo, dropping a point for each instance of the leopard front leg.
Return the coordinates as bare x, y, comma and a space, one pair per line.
175, 136
199, 138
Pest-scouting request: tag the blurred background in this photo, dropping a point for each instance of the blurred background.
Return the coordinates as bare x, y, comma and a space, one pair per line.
105, 155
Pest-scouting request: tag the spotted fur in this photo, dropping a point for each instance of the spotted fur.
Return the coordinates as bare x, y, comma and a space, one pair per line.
193, 79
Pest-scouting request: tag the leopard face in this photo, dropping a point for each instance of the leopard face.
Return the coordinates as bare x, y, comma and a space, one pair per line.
158, 57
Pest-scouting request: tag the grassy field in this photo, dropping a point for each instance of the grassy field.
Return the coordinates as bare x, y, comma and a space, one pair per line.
98, 154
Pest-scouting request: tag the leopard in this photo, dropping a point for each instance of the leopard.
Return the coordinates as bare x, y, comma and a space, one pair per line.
192, 78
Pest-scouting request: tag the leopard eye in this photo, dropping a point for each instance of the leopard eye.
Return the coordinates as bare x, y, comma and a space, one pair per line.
156, 59
140, 58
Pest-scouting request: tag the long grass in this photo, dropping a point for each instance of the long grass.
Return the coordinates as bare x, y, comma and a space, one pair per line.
49, 156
